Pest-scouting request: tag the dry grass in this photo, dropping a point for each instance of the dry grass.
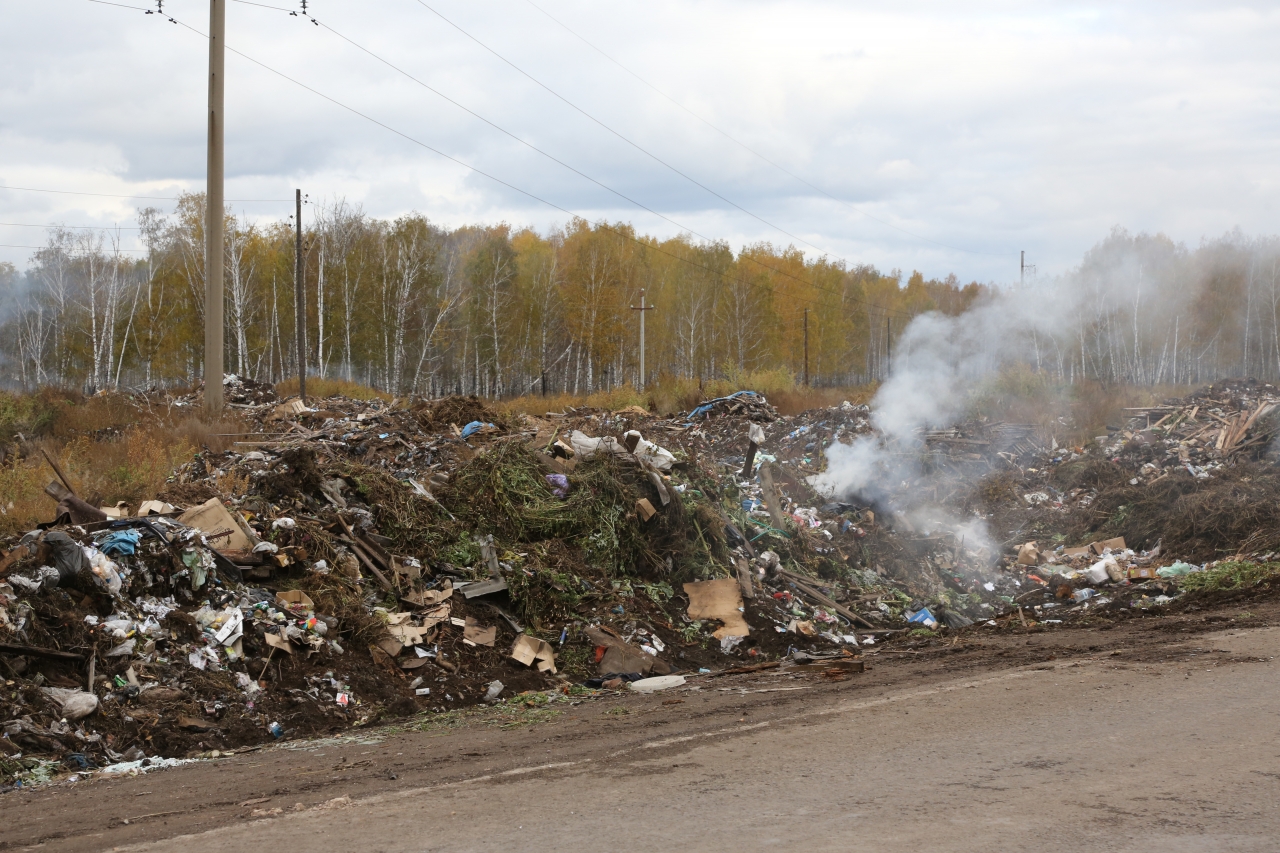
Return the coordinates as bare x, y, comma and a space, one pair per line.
1095, 406
112, 447
665, 395
533, 404
804, 399
669, 394
55, 413
131, 468
1073, 414
321, 387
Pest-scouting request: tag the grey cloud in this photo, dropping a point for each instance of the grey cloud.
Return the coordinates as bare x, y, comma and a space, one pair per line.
989, 126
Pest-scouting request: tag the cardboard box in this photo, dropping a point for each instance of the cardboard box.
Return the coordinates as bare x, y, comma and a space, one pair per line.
531, 651
1116, 544
214, 520
294, 599
645, 510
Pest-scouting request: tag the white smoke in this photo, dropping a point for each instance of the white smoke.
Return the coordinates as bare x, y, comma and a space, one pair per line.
938, 362
1118, 317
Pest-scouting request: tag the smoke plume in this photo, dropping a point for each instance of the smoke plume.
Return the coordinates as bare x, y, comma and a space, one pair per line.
1139, 309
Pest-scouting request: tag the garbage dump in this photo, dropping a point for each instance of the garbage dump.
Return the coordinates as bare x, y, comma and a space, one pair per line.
355, 561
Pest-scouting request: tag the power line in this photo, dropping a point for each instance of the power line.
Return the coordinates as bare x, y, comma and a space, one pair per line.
122, 6
546, 154
84, 227
539, 199
16, 246
144, 197
625, 139
524, 192
265, 6
751, 150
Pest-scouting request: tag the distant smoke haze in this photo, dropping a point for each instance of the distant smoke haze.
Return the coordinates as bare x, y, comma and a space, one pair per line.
1139, 309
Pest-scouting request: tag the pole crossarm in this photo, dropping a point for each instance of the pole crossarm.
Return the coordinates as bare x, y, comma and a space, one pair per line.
642, 308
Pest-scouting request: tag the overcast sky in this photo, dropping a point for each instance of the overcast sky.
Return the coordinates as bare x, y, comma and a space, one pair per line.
953, 134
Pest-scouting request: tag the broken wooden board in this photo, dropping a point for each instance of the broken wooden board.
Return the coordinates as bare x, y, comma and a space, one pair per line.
745, 581
842, 664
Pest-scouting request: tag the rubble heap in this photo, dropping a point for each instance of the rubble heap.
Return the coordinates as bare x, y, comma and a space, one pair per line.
356, 560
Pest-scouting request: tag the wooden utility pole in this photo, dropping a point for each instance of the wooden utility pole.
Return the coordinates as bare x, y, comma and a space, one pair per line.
299, 304
213, 235
888, 345
806, 347
642, 308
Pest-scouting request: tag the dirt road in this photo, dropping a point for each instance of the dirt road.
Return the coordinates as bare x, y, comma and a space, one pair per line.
1163, 735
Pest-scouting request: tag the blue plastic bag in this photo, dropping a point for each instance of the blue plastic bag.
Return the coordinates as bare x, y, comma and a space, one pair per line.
122, 543
473, 427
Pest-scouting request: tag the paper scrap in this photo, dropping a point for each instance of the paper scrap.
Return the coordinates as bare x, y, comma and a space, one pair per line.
720, 600
278, 642
479, 635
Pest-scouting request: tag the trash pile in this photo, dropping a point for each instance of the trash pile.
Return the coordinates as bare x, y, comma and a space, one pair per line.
1217, 425
1195, 477
243, 391
358, 560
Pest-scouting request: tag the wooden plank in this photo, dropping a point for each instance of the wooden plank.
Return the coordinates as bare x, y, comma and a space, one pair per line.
971, 442
744, 579
54, 654
756, 667
364, 558
772, 500
80, 511
825, 600
489, 587
57, 470
1263, 408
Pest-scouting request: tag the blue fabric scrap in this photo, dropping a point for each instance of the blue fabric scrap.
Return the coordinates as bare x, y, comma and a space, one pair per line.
122, 543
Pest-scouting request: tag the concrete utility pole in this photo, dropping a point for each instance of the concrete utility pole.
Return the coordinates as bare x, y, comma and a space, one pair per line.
1024, 268
299, 304
214, 213
806, 347
642, 308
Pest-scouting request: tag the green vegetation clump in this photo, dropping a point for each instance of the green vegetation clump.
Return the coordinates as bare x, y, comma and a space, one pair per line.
1232, 575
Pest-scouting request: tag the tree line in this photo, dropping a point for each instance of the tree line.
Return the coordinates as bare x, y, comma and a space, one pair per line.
410, 307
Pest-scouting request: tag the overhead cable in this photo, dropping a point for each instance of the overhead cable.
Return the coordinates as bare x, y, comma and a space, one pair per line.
751, 150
